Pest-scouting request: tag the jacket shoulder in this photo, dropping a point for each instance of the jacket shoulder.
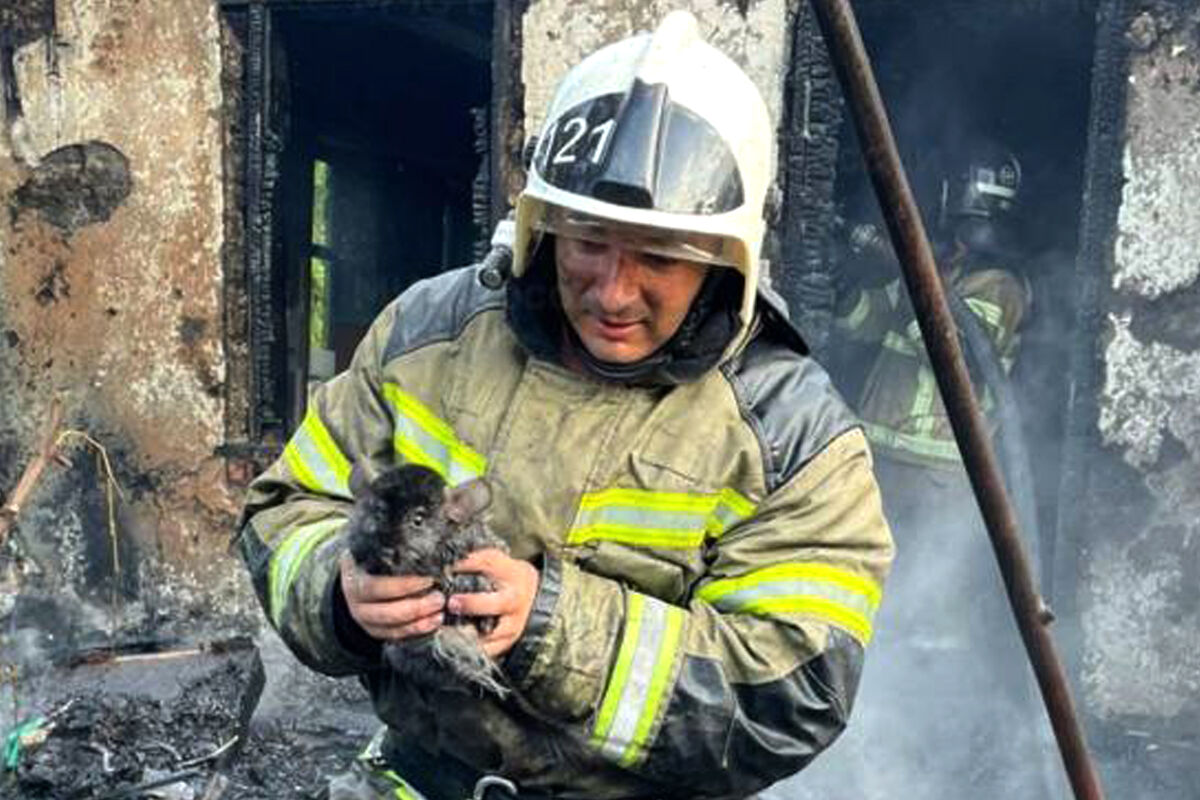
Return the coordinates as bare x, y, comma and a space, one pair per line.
437, 309
789, 402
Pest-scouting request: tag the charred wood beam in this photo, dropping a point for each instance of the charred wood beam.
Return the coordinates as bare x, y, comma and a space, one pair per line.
8, 76
260, 225
507, 108
808, 165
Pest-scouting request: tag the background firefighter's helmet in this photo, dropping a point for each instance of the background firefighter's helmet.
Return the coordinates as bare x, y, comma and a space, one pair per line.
979, 195
659, 132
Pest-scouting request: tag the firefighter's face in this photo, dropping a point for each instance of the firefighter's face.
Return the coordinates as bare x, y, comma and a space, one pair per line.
623, 303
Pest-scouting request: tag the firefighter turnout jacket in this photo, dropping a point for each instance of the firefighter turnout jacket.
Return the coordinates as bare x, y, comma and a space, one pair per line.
900, 406
711, 552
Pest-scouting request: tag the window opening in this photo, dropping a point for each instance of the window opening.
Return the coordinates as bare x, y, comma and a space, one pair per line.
367, 169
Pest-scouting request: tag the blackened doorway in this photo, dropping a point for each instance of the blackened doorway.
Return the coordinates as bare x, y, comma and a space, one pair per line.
384, 169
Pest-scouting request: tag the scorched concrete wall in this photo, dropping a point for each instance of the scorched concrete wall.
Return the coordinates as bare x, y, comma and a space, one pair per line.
1140, 577
110, 298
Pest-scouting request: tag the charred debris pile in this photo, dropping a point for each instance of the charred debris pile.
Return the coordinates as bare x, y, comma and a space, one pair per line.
177, 723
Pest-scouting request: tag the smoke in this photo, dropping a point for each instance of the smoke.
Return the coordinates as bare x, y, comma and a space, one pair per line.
948, 705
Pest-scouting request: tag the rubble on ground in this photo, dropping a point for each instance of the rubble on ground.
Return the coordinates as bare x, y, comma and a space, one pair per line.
181, 723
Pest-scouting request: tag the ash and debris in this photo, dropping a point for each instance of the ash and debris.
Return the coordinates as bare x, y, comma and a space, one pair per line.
282, 759
105, 742
115, 723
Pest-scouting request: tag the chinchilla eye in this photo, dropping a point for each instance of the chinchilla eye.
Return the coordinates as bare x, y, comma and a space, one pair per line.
417, 517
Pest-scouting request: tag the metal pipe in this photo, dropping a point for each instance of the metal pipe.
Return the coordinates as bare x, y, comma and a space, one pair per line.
920, 270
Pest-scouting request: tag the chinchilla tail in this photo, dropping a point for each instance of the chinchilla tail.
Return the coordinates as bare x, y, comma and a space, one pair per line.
458, 647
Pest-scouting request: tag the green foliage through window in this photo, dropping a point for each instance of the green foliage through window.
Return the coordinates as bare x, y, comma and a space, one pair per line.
319, 265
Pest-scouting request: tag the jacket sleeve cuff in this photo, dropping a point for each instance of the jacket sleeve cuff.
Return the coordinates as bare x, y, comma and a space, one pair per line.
519, 660
337, 644
564, 658
346, 631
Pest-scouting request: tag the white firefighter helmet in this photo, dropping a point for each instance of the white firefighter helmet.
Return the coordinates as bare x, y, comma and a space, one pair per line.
663, 137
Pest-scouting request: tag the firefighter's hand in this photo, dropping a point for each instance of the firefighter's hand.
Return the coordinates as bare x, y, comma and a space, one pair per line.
516, 584
390, 607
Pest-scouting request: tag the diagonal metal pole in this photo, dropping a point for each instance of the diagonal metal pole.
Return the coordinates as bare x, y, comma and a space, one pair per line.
849, 57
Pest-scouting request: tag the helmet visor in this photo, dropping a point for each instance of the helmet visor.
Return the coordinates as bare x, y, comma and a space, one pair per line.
677, 245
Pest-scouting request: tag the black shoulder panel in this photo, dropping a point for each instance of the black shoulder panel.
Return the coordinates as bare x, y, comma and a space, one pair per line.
773, 311
789, 401
438, 308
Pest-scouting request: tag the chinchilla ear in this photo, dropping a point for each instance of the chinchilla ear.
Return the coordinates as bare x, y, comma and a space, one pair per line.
360, 482
467, 499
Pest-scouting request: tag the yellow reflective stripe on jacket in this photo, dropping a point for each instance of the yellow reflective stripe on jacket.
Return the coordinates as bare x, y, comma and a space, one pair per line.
640, 679
731, 509
858, 315
422, 438
403, 790
927, 446
315, 459
288, 557
990, 313
923, 401
925, 392
672, 520
898, 344
833, 595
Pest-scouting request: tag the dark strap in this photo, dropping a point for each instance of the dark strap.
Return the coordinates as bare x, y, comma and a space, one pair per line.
984, 362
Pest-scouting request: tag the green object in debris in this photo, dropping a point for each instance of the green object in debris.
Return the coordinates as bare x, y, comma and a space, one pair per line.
29, 732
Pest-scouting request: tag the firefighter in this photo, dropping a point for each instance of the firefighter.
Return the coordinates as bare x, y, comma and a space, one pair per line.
696, 536
899, 403
952, 673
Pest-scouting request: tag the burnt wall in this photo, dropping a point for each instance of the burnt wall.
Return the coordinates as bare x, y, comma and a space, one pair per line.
1140, 565
111, 280
558, 34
